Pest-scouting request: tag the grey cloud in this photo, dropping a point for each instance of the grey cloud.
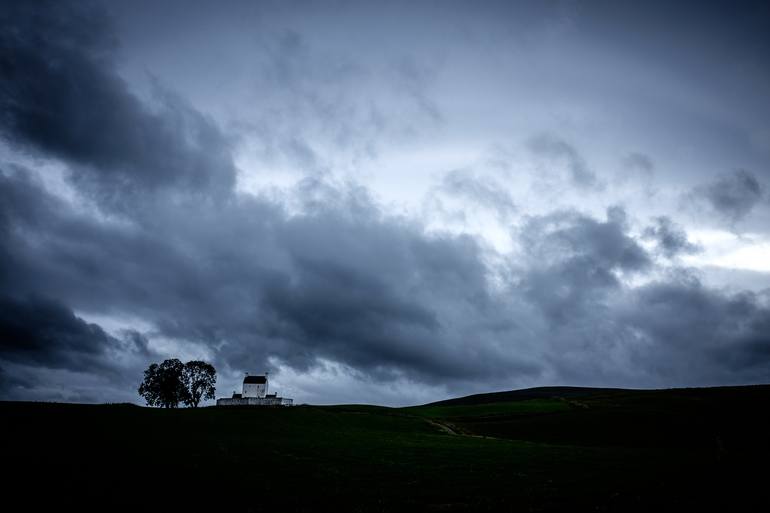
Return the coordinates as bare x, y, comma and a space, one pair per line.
43, 332
484, 192
638, 161
303, 156
9, 381
574, 261
718, 335
673, 332
287, 64
550, 146
567, 235
344, 102
373, 293
20, 193
636, 166
62, 97
732, 196
345, 282
670, 238
637, 169
415, 78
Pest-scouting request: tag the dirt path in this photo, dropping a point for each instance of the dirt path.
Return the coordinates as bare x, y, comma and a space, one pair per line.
453, 430
443, 427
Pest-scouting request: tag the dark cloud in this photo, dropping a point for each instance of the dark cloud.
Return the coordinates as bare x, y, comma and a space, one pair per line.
670, 238
62, 97
575, 262
377, 293
569, 235
43, 332
346, 283
672, 332
550, 146
689, 331
9, 382
47, 333
732, 196
21, 194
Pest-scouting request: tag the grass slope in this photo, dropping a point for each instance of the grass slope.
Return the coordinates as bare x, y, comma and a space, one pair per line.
558, 450
527, 394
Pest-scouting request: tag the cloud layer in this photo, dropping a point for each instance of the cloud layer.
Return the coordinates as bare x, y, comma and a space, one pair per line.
126, 239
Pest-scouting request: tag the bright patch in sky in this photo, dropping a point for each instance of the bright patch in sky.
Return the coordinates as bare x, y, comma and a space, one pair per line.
750, 251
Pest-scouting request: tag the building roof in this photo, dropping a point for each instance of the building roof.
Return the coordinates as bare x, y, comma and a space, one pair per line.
255, 380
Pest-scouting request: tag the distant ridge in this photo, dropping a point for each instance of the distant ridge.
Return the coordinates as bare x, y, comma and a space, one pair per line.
526, 394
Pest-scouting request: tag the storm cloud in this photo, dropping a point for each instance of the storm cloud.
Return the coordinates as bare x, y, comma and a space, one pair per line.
46, 333
731, 195
140, 219
670, 238
63, 98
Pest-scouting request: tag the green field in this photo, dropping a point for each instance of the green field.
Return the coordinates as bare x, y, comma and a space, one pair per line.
554, 449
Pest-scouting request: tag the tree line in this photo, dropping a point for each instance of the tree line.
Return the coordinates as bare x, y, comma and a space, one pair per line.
172, 382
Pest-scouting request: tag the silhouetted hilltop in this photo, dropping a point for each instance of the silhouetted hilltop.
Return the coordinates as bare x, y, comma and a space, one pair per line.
526, 394
564, 392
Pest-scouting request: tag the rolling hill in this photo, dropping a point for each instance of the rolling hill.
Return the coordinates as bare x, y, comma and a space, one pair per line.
545, 449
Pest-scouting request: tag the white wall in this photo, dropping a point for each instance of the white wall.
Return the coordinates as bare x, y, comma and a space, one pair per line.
254, 390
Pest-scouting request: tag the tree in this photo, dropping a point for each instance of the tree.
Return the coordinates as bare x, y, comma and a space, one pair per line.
172, 382
163, 385
199, 379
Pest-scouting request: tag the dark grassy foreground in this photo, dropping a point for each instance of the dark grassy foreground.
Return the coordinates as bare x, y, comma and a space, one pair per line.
554, 449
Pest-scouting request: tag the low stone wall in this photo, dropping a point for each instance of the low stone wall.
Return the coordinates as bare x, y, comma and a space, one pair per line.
254, 401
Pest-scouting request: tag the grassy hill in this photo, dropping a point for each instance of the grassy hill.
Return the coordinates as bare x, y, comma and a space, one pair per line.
722, 418
546, 449
527, 394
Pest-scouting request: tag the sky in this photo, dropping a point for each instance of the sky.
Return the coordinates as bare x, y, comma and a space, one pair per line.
383, 202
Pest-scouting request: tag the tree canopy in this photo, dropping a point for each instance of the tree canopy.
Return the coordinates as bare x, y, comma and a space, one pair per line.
199, 379
171, 382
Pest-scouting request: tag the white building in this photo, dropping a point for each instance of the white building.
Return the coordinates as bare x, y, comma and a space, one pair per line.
254, 386
254, 393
